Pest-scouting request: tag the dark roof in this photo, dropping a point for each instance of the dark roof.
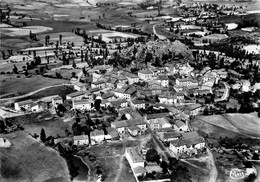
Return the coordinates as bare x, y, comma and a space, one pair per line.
168, 135
157, 115
108, 95
75, 94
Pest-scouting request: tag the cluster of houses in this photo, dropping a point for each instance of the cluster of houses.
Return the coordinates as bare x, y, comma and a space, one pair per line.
124, 91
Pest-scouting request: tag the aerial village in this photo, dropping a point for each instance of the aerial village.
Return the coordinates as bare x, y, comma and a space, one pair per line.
146, 92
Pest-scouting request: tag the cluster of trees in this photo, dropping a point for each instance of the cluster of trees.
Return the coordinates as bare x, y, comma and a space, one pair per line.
32, 36
251, 20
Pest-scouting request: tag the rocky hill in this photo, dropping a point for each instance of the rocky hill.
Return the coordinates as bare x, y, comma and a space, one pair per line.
159, 49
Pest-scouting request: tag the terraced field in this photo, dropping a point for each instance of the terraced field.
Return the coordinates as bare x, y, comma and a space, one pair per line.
230, 125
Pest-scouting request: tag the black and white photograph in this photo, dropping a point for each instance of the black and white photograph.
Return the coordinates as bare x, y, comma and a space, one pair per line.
130, 91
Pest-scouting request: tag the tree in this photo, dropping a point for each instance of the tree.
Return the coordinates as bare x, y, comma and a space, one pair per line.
97, 104
250, 178
180, 174
164, 167
15, 70
60, 38
26, 73
152, 155
74, 64
43, 135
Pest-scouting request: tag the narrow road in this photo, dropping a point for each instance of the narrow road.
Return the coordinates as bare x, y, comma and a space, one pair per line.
160, 36
213, 169
120, 169
160, 146
34, 92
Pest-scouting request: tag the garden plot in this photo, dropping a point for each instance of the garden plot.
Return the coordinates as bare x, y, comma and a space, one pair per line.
25, 31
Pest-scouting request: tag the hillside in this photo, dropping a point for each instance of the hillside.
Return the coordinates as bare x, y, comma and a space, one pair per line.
28, 160
230, 125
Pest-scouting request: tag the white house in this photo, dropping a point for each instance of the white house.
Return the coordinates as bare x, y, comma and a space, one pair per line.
159, 123
35, 107
57, 100
167, 99
180, 126
138, 104
81, 140
121, 94
186, 82
83, 104
134, 157
101, 84
132, 78
75, 96
183, 145
164, 80
145, 74
97, 136
26, 105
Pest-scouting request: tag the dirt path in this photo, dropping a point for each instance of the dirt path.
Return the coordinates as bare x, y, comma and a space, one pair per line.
160, 36
120, 169
212, 167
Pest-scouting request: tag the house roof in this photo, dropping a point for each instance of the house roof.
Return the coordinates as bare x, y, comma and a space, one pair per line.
93, 90
25, 102
188, 142
108, 95
128, 123
112, 132
57, 98
187, 80
80, 137
82, 101
98, 82
163, 77
157, 115
131, 75
165, 130
96, 133
75, 94
179, 123
161, 121
145, 71
138, 101
169, 135
134, 128
134, 154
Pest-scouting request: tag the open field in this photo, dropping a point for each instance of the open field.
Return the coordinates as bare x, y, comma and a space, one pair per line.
24, 31
10, 83
29, 160
60, 90
33, 123
17, 43
66, 37
110, 157
230, 125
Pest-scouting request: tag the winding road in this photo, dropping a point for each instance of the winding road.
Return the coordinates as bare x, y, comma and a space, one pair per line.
212, 167
159, 36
